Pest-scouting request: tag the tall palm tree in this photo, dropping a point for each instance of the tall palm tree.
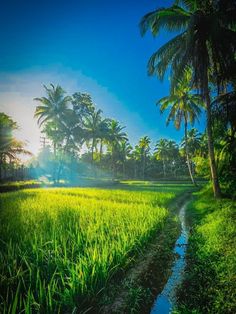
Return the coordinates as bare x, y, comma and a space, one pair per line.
136, 156
165, 150
144, 144
82, 104
10, 148
52, 108
124, 152
116, 135
92, 126
184, 107
202, 151
103, 134
72, 131
206, 41
193, 142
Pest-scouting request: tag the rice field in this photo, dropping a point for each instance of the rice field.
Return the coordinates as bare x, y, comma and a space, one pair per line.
60, 246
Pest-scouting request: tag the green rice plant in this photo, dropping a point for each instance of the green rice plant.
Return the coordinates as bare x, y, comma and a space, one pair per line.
61, 246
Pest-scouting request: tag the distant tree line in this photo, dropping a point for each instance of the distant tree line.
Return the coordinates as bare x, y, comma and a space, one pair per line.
83, 143
88, 144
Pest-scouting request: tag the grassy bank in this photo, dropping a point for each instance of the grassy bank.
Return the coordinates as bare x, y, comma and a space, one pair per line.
60, 247
19, 185
210, 282
31, 184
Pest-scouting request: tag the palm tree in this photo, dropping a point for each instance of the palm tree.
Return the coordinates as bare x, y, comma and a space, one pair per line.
184, 108
124, 152
82, 104
103, 134
193, 142
10, 148
116, 136
136, 156
206, 41
144, 144
92, 126
165, 150
52, 108
202, 151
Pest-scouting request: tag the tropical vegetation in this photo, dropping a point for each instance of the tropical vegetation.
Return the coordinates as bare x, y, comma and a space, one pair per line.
205, 43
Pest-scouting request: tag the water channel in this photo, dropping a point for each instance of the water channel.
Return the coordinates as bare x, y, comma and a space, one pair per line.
166, 300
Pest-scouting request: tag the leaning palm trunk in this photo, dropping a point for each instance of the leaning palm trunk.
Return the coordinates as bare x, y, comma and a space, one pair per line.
187, 154
214, 176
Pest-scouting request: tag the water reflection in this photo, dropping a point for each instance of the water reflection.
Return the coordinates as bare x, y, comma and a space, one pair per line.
166, 300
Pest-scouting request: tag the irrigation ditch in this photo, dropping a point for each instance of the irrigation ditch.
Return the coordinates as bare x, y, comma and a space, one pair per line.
149, 286
165, 301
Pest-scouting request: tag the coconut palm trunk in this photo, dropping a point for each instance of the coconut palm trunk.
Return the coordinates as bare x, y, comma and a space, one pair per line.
135, 169
113, 162
144, 162
54, 148
101, 147
164, 167
214, 176
1, 167
92, 152
187, 152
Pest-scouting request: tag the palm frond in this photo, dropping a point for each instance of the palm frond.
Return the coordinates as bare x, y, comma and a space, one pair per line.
174, 18
190, 5
163, 57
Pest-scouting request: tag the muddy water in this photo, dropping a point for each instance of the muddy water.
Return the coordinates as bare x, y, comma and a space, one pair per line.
166, 300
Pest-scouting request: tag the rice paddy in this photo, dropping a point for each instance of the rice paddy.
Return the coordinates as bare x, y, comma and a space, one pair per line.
61, 246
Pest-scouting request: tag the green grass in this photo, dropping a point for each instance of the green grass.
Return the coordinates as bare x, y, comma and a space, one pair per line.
61, 246
210, 283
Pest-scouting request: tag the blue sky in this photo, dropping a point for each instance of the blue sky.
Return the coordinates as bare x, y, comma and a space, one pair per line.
84, 45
